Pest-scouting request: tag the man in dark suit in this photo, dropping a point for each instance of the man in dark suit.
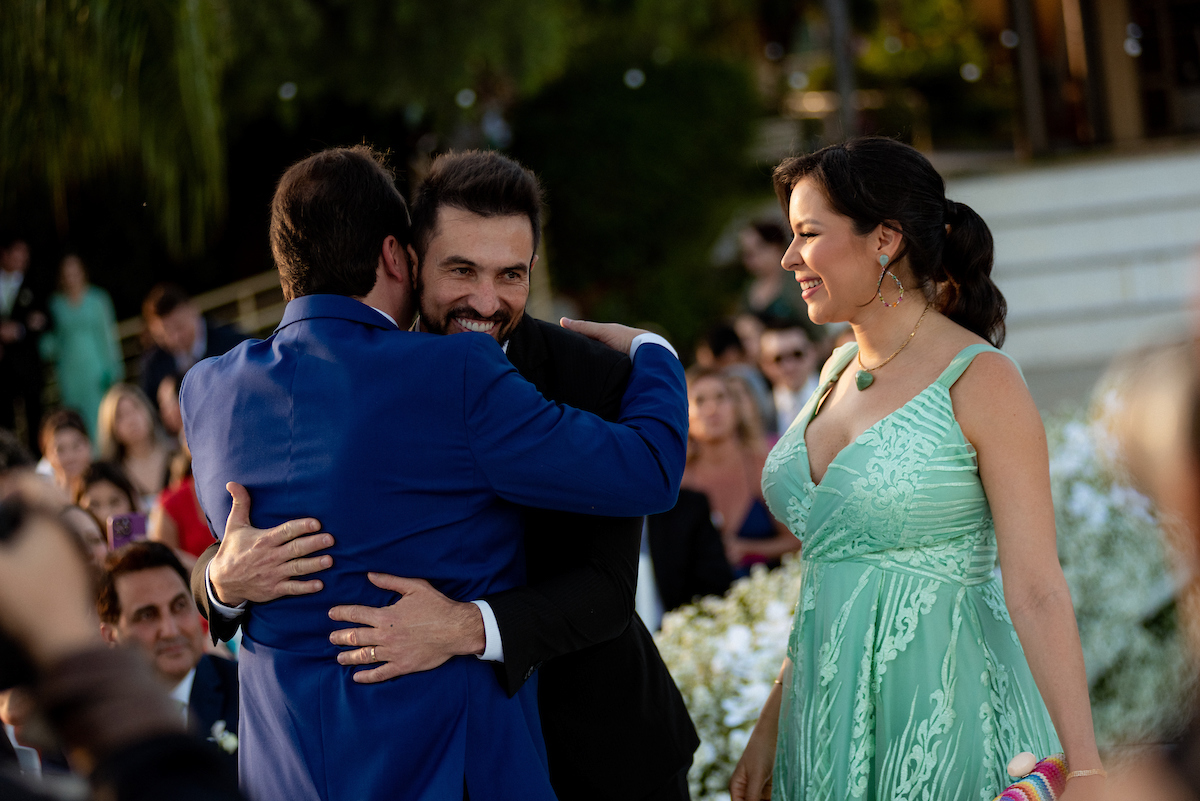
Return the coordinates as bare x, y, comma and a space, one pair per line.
182, 336
686, 552
615, 724
143, 602
22, 321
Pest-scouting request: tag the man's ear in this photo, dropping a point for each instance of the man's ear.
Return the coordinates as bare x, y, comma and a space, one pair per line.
532, 263
393, 260
108, 632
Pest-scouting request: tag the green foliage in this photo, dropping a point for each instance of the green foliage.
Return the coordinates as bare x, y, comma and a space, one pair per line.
397, 54
92, 88
921, 45
639, 183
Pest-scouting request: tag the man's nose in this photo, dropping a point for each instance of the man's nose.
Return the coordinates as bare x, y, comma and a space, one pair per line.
168, 627
486, 300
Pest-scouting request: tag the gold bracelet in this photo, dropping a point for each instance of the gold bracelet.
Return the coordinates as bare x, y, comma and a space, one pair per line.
1076, 774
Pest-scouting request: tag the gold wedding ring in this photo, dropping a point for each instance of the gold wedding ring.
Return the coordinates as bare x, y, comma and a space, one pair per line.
372, 653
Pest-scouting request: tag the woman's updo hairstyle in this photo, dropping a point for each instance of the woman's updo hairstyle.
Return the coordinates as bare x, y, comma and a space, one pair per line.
873, 181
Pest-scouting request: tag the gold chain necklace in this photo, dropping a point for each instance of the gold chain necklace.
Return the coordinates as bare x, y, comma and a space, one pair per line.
863, 378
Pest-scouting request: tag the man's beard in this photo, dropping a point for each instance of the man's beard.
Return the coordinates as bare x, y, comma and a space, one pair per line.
433, 324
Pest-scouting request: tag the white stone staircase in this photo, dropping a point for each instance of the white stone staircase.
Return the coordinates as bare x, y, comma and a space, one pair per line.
1094, 257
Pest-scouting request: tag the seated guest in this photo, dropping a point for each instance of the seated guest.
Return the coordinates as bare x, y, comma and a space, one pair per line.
682, 559
177, 519
181, 336
790, 360
130, 436
105, 491
725, 462
723, 349
67, 447
110, 715
145, 601
84, 525
772, 292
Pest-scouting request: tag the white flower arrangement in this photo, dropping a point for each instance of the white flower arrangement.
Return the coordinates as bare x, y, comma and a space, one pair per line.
725, 653
226, 740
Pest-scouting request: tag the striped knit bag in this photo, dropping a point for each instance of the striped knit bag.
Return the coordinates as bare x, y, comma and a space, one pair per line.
1046, 783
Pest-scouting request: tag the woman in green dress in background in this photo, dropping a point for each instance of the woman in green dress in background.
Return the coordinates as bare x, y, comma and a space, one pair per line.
83, 343
921, 459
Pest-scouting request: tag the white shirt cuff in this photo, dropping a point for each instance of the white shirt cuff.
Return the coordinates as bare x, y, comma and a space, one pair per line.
650, 339
493, 648
215, 606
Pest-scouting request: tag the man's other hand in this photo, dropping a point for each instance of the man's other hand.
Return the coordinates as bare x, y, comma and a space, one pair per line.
419, 632
616, 336
260, 566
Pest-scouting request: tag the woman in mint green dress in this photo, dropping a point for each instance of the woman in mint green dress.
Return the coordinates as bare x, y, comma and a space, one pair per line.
83, 343
918, 463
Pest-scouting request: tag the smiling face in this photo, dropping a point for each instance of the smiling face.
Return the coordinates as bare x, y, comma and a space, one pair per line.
158, 615
475, 273
837, 268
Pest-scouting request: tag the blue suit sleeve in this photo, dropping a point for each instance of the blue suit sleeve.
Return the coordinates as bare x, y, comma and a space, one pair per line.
542, 454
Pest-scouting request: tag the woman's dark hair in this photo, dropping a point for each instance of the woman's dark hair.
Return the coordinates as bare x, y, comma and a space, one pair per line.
878, 181
105, 471
60, 420
771, 232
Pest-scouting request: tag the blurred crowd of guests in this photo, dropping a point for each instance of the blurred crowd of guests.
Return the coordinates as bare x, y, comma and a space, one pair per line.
108, 469
752, 374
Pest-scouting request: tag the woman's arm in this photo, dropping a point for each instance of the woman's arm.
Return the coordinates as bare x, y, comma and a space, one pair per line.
999, 418
751, 779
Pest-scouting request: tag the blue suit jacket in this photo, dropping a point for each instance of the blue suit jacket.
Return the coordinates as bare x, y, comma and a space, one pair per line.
414, 451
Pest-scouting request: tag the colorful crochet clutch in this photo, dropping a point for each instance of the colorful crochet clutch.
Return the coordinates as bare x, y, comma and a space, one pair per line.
1046, 782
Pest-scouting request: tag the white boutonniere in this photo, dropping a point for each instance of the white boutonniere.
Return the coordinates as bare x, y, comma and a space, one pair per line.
226, 740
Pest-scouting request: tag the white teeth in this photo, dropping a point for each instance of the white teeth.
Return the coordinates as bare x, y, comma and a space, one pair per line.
809, 283
475, 325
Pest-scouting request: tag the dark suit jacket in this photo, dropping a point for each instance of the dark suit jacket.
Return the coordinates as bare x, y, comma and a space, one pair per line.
686, 550
157, 363
614, 721
214, 695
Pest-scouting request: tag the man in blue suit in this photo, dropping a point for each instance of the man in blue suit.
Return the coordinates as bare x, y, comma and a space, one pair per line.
413, 451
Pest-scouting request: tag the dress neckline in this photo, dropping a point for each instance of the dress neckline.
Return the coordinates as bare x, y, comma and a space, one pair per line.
833, 377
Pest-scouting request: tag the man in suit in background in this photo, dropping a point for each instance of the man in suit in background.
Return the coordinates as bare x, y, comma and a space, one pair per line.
182, 336
685, 558
415, 450
22, 321
614, 721
144, 602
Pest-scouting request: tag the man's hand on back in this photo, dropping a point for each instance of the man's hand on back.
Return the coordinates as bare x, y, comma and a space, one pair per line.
616, 336
419, 632
261, 565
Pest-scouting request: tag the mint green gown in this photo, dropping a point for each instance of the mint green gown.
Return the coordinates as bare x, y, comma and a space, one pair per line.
908, 682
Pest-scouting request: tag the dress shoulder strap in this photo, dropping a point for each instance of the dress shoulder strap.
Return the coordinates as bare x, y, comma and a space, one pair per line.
960, 363
838, 361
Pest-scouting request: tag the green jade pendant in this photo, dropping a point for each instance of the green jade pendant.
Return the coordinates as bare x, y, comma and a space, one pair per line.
863, 379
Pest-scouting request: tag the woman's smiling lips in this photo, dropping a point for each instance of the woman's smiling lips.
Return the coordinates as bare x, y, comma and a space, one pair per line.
808, 286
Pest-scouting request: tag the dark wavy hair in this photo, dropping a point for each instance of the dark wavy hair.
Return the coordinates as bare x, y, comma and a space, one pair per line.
329, 217
878, 181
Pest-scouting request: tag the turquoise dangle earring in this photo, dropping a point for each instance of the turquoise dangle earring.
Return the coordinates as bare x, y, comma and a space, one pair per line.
883, 262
